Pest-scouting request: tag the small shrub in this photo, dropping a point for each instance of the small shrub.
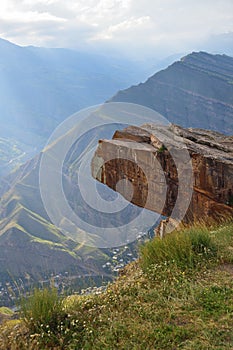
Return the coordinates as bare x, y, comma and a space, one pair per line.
162, 149
46, 316
186, 249
42, 309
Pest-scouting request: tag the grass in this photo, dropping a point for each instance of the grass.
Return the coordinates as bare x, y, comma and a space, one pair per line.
6, 311
179, 295
41, 309
192, 247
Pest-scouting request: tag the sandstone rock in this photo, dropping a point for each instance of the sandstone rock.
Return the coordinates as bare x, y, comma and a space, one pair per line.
156, 160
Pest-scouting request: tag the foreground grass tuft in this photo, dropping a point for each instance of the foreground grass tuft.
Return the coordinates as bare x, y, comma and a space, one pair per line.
187, 249
179, 295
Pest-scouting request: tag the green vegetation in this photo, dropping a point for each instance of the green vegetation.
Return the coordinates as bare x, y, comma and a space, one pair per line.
230, 202
5, 311
179, 295
187, 250
162, 149
42, 309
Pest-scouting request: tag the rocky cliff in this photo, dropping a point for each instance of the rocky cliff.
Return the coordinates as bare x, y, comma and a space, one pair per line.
170, 170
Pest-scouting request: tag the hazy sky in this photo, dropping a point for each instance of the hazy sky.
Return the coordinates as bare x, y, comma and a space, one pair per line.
131, 26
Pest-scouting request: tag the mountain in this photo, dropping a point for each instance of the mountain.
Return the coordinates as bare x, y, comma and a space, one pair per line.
32, 248
196, 91
40, 87
28, 240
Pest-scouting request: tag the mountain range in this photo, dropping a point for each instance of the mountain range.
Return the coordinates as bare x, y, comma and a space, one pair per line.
196, 91
32, 248
40, 87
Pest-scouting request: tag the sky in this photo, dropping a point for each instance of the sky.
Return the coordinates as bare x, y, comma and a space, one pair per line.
127, 27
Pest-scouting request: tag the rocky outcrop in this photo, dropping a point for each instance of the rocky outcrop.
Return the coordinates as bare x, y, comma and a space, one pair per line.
171, 170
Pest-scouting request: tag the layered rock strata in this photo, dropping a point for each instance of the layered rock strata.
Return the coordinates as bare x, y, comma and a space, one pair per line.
183, 173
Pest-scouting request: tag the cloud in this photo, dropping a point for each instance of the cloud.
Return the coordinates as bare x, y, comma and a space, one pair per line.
133, 27
130, 26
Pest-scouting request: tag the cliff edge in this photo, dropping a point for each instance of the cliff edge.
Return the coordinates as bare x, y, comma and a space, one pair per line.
158, 175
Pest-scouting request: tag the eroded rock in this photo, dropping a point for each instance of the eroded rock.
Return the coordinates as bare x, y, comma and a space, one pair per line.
153, 159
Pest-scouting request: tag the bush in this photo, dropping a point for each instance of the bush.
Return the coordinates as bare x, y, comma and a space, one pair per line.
47, 319
42, 309
186, 249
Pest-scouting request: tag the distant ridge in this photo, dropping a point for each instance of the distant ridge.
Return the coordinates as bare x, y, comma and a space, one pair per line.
40, 87
196, 91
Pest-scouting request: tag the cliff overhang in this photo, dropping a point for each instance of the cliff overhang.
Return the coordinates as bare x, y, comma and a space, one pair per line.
171, 169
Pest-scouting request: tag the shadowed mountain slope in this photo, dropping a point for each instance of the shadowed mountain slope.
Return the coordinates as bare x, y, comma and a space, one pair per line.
196, 91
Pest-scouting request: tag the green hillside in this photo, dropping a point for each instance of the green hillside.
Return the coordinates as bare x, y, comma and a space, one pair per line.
33, 249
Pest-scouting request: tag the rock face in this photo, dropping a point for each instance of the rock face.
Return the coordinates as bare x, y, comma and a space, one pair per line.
183, 173
196, 91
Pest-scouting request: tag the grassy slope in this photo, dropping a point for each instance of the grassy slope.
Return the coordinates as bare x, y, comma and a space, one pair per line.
48, 250
45, 248
173, 298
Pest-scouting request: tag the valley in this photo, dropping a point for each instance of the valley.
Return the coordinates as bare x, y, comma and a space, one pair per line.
195, 91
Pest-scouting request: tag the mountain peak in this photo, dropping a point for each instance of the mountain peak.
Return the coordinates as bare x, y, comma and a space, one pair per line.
6, 43
203, 57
